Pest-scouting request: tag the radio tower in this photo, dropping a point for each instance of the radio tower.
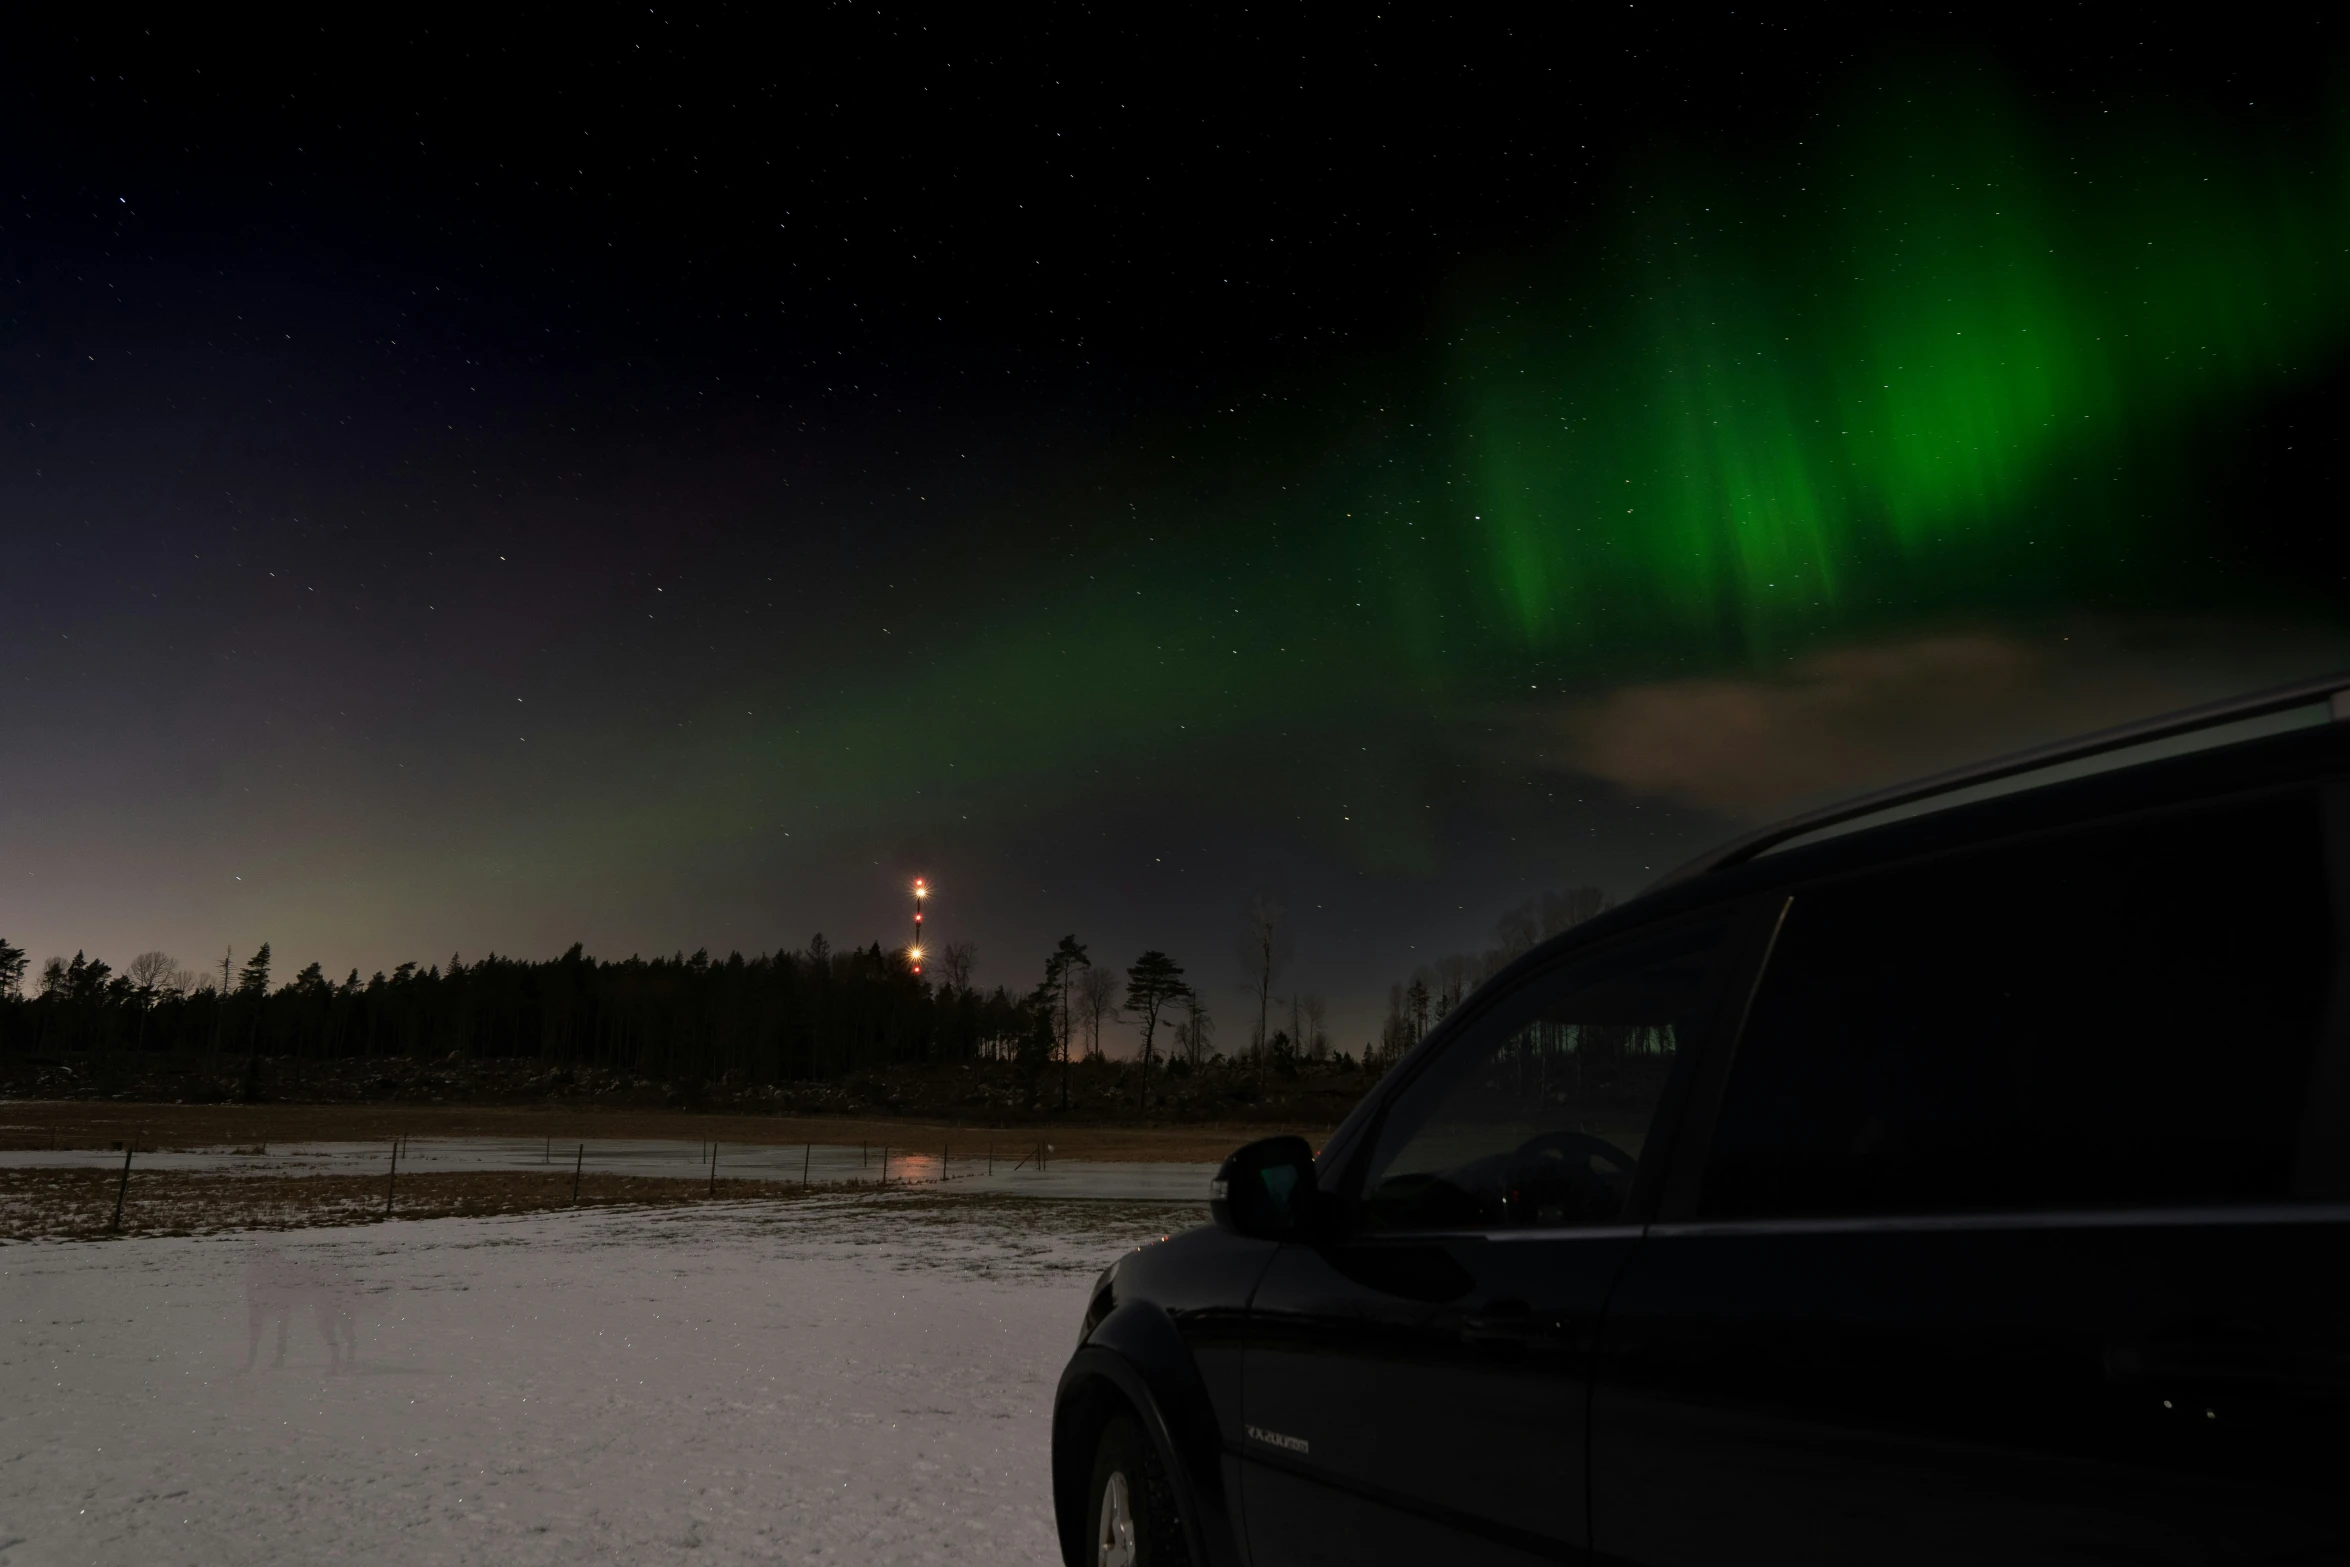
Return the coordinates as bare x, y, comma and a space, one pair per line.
914, 952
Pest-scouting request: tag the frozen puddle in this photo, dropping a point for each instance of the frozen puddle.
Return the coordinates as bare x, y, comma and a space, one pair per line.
967, 1168
856, 1378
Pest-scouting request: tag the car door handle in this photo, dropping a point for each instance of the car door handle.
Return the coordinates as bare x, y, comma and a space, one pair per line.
2220, 1361
1503, 1325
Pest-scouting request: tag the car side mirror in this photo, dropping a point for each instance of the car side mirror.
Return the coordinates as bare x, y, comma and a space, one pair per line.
1266, 1190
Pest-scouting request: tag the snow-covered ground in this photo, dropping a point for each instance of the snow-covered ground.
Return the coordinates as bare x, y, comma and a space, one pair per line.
837, 1378
1010, 1169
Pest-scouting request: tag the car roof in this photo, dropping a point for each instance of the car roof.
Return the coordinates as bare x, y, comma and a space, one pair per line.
2262, 740
1774, 858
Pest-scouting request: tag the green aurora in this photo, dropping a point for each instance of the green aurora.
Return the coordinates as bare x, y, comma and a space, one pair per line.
1943, 359
1937, 364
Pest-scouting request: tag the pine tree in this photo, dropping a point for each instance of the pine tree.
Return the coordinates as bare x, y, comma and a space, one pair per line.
253, 978
253, 982
1060, 975
85, 978
1153, 982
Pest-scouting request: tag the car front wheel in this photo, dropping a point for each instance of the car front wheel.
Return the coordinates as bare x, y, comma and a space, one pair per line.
1133, 1521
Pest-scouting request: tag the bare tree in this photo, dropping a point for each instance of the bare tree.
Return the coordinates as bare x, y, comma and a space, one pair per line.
1263, 948
955, 962
1395, 1035
1540, 918
1312, 1037
1456, 975
1195, 1036
1097, 999
151, 974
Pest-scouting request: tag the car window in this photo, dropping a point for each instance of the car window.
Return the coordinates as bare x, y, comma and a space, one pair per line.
1539, 1113
2124, 1016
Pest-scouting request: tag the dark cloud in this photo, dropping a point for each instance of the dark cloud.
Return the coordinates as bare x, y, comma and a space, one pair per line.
1849, 718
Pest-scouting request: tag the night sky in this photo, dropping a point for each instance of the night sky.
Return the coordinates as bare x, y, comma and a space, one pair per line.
666, 481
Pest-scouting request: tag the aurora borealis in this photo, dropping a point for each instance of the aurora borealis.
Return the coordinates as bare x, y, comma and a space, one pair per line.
1950, 338
1107, 490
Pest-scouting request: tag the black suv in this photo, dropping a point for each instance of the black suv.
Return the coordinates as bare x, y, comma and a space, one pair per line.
1958, 1175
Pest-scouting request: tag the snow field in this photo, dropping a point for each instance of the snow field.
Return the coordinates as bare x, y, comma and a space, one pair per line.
852, 1379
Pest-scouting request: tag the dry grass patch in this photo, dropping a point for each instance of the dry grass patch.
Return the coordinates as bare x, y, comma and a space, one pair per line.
78, 1204
99, 1124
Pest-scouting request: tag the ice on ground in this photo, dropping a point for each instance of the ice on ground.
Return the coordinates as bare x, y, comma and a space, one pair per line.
958, 1169
839, 1378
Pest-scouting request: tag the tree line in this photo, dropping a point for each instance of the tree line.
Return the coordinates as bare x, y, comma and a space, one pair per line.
815, 1012
1416, 1005
795, 1015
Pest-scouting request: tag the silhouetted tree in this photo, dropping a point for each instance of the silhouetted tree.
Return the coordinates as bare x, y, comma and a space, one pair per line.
1097, 999
1060, 977
12, 962
1263, 950
253, 978
1195, 1036
1313, 1013
150, 974
85, 979
1153, 981
253, 987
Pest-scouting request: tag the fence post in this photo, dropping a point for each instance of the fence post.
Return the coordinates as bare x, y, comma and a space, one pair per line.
885, 1164
392, 1178
577, 1165
809, 1154
124, 1189
713, 1169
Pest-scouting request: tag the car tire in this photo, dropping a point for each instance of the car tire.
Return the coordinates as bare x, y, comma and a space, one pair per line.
1130, 1515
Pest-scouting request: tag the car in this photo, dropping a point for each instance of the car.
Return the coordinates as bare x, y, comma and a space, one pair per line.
1957, 1174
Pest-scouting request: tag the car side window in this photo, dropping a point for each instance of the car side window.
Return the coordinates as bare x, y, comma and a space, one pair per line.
2125, 1016
1539, 1113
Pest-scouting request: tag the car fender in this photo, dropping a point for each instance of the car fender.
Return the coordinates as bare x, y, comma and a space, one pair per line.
1137, 1352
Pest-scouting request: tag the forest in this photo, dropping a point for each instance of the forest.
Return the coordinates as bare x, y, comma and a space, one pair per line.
787, 1016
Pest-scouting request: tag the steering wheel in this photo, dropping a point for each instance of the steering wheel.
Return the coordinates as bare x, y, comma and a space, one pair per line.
1568, 1178
1567, 1144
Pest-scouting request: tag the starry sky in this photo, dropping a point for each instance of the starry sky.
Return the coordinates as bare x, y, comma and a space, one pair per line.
666, 481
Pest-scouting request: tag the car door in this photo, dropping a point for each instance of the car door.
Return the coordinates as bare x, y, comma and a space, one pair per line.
1415, 1380
2020, 1231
